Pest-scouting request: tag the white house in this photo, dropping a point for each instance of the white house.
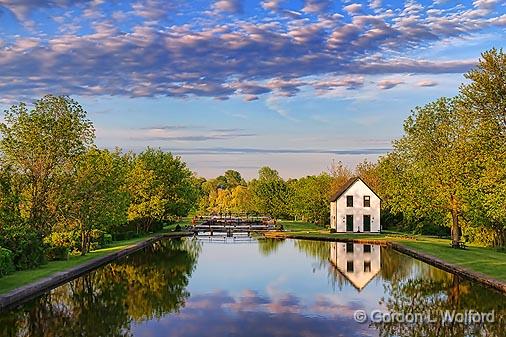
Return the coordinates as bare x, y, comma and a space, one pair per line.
355, 208
358, 263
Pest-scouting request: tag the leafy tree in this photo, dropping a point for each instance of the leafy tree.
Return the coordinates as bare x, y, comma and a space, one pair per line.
484, 102
270, 193
427, 172
310, 198
340, 175
40, 144
96, 197
161, 187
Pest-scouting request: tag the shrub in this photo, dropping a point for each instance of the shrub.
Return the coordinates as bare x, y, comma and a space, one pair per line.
6, 263
67, 239
107, 239
25, 244
332, 230
57, 253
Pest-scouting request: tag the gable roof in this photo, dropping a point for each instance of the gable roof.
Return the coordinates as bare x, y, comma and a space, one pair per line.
347, 185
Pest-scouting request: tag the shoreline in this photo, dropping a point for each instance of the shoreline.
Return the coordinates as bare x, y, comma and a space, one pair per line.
31, 290
481, 278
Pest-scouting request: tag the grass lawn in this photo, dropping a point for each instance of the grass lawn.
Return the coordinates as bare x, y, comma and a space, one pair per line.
488, 261
23, 277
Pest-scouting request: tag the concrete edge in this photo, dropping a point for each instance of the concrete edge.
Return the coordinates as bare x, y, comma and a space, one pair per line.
27, 292
381, 242
432, 260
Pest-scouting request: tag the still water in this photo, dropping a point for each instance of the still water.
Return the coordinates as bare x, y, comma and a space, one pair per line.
245, 287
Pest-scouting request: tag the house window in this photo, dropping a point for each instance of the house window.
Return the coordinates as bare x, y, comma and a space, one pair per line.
367, 266
367, 248
349, 266
349, 201
367, 201
349, 247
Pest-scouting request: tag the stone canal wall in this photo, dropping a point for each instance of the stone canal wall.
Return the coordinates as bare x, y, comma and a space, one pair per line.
37, 288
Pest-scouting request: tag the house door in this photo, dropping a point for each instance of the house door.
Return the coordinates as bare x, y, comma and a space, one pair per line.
349, 223
367, 223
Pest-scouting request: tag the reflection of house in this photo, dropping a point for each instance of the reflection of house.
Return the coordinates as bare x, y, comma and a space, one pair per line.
355, 208
358, 263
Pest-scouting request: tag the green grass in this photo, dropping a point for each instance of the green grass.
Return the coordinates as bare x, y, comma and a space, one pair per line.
488, 261
300, 226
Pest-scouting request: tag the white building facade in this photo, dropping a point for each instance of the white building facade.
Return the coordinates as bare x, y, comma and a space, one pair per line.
355, 208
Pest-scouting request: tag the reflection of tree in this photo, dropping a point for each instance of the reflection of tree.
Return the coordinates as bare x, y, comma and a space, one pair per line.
268, 246
318, 249
428, 295
144, 285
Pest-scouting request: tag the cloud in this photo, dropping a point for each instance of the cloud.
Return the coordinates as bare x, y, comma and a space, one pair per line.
23, 8
273, 5
232, 6
427, 83
316, 6
199, 55
353, 8
388, 84
245, 150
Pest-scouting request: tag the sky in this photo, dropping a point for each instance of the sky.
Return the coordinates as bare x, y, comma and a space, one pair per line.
230, 84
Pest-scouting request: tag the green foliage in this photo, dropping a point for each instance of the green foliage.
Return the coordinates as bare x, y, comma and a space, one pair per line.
161, 187
25, 244
6, 263
40, 144
271, 194
310, 198
57, 253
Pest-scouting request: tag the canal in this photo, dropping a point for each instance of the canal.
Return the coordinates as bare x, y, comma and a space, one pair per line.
218, 286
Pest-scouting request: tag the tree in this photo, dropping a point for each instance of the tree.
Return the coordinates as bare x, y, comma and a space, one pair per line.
40, 145
485, 96
484, 102
270, 193
340, 175
96, 198
427, 174
161, 187
310, 198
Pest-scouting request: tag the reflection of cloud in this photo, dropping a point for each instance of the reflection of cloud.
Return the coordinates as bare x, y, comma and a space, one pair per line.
251, 314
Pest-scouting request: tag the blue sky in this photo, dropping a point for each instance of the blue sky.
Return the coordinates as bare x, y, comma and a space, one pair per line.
242, 84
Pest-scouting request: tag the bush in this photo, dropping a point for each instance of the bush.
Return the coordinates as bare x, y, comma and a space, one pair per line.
6, 263
124, 236
57, 253
68, 239
107, 239
25, 244
332, 230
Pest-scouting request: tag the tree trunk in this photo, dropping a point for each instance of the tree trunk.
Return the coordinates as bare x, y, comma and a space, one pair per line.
455, 226
83, 240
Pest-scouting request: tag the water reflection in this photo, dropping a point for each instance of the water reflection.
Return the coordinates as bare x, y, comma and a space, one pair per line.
143, 286
358, 263
229, 287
